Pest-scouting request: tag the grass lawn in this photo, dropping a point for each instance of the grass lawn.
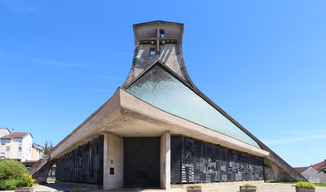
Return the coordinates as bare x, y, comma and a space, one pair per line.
316, 184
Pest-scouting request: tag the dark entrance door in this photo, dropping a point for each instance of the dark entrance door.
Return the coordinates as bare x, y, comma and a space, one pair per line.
141, 162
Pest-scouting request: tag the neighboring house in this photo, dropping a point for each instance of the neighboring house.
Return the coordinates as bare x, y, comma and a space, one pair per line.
310, 173
16, 146
321, 167
37, 152
3, 132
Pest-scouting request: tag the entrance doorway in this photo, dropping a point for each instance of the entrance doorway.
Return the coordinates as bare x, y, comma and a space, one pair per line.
141, 162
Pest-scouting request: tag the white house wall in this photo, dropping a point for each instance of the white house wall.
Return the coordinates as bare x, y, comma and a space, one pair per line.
4, 144
17, 142
26, 148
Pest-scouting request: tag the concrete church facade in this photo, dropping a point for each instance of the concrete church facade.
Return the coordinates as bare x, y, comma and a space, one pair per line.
158, 129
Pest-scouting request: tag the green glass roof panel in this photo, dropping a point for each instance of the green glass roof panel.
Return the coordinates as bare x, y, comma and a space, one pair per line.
164, 91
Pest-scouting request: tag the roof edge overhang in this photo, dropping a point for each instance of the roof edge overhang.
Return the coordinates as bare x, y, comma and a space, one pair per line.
158, 22
131, 106
123, 103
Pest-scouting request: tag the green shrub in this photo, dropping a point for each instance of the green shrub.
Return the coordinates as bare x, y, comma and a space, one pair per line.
13, 174
193, 186
11, 170
248, 185
305, 184
27, 180
10, 184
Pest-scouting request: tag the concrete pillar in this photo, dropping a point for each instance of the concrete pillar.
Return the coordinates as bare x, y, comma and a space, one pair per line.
41, 175
106, 171
279, 174
112, 162
165, 159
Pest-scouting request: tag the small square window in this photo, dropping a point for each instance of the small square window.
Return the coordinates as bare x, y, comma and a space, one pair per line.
7, 148
162, 33
19, 149
152, 51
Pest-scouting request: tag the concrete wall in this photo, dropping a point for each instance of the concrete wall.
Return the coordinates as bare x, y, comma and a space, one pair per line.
41, 174
170, 54
113, 158
279, 174
165, 161
269, 174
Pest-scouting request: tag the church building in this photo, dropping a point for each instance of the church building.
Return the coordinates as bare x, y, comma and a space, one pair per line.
159, 130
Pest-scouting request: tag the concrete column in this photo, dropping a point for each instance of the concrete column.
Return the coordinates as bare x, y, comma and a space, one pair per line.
165, 163
106, 170
112, 162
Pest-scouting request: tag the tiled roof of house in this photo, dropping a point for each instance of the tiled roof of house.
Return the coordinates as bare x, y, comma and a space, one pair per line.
29, 161
38, 146
320, 166
15, 135
300, 169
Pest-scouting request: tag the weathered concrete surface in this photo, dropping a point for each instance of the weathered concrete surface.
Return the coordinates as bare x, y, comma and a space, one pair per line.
281, 170
113, 158
40, 169
165, 161
170, 54
39, 163
126, 116
138, 109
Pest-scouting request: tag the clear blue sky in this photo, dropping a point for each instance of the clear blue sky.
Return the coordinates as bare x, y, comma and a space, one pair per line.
263, 62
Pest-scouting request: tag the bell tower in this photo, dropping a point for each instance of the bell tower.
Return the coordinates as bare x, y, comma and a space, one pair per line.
158, 41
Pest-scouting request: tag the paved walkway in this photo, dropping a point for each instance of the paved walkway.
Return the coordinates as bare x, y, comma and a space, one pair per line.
263, 187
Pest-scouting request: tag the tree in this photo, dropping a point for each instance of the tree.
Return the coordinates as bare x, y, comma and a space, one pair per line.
47, 147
